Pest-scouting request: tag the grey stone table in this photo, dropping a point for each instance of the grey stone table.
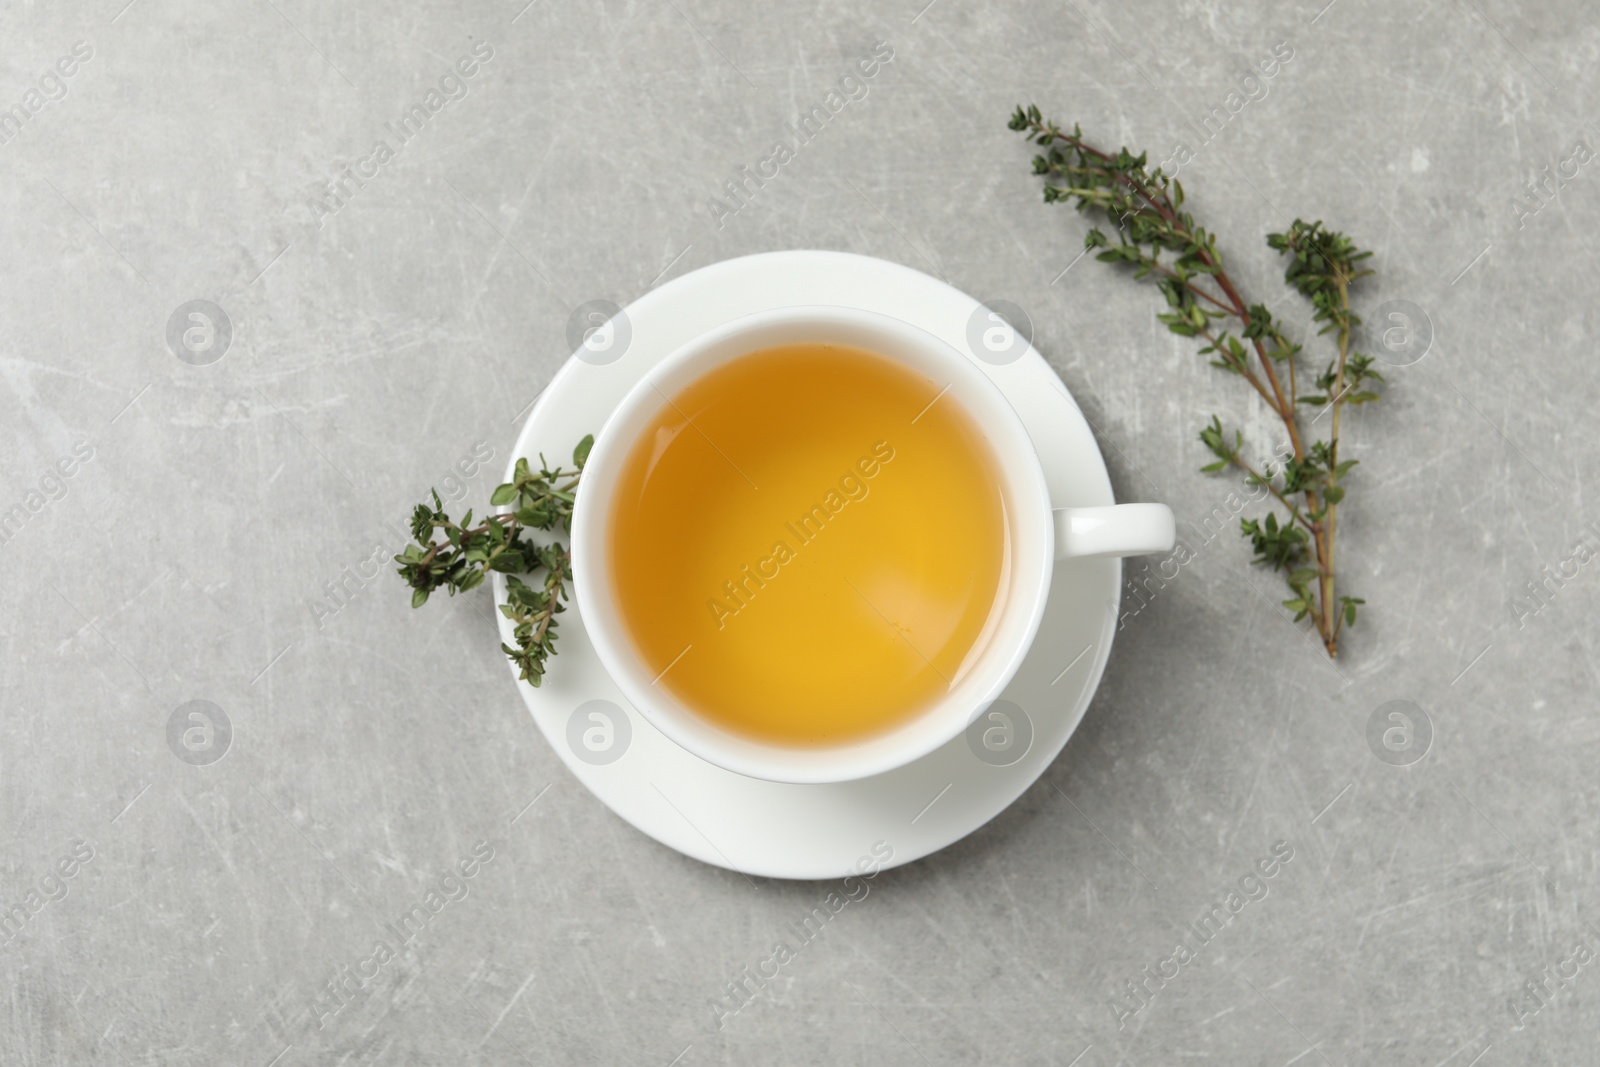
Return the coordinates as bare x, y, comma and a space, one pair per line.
178, 527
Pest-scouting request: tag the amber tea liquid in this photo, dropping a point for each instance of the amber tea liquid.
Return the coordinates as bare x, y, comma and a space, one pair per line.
808, 543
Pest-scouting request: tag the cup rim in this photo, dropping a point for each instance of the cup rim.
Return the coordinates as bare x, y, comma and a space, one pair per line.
1031, 530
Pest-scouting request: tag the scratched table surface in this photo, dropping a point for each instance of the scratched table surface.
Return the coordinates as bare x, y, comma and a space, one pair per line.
273, 268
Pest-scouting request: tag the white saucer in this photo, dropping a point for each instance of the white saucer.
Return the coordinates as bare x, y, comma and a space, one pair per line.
822, 831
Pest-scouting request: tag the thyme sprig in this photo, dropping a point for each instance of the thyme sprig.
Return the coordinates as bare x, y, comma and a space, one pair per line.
1160, 240
463, 557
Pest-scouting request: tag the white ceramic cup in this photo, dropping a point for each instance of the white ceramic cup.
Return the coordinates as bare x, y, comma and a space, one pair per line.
1039, 536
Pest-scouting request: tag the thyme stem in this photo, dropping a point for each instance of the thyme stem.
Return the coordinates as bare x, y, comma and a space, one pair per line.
1147, 206
538, 500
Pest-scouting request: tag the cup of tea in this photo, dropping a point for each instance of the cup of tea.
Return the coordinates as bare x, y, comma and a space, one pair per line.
814, 543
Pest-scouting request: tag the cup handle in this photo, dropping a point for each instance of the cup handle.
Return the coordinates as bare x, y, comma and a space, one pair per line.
1117, 530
